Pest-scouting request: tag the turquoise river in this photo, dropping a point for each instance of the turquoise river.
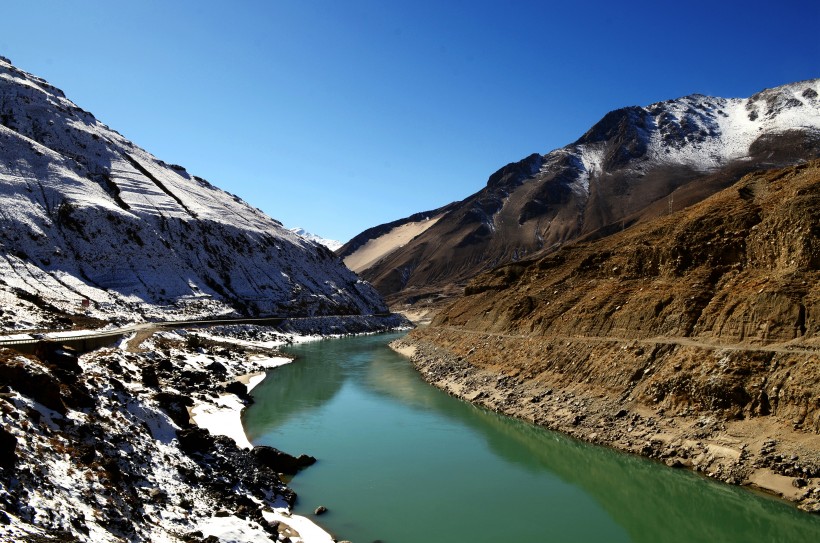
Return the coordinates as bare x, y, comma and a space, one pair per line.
402, 462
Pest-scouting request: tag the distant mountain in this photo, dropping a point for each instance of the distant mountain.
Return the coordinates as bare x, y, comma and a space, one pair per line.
93, 225
331, 244
367, 248
635, 164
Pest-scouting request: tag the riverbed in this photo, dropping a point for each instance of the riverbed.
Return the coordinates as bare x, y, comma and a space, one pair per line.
401, 461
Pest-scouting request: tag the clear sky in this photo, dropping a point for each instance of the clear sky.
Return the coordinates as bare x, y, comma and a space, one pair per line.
344, 114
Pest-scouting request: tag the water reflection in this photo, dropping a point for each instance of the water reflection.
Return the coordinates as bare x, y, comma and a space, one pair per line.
302, 387
647, 501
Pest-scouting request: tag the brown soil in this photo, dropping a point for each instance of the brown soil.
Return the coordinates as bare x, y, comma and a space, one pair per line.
135, 343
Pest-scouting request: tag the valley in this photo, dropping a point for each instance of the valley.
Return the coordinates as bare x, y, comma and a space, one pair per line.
135, 300
652, 287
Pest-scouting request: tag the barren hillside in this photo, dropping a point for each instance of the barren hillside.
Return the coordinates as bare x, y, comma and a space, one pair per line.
694, 338
94, 226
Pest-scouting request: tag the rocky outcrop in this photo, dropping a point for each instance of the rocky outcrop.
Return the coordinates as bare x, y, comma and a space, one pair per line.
707, 313
8, 449
282, 462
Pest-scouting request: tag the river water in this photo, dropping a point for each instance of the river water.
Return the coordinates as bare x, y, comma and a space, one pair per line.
400, 461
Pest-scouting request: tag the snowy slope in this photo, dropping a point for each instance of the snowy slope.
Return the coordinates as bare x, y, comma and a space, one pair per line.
86, 214
115, 457
698, 131
331, 244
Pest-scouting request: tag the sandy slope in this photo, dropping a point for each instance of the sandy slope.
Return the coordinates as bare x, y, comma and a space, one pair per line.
376, 249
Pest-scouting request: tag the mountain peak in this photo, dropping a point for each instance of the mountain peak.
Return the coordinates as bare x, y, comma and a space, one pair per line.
331, 244
637, 162
513, 173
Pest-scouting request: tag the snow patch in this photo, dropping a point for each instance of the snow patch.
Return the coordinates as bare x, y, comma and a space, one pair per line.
331, 244
307, 530
232, 529
222, 418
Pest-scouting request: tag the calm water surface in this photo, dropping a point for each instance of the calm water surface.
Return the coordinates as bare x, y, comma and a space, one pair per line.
402, 462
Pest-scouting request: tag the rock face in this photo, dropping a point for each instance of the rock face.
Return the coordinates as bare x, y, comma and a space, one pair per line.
748, 257
637, 163
740, 268
95, 226
712, 313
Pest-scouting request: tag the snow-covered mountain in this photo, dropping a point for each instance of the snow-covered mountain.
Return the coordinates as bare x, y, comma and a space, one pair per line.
331, 244
634, 164
91, 224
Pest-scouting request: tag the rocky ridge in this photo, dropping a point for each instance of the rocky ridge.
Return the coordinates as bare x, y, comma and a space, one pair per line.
635, 164
693, 338
331, 244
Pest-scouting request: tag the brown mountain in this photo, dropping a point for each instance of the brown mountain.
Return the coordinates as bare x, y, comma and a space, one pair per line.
693, 337
635, 164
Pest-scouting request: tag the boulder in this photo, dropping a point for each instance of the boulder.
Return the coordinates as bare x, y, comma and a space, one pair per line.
8, 449
240, 389
149, 377
176, 405
195, 440
281, 462
217, 368
40, 386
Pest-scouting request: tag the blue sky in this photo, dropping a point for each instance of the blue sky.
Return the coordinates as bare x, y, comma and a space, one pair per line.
337, 116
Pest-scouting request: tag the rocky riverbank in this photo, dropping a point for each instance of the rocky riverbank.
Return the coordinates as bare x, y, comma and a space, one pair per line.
101, 446
763, 452
692, 338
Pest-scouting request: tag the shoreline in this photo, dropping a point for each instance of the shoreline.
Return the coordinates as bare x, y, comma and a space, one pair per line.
223, 417
100, 446
756, 453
